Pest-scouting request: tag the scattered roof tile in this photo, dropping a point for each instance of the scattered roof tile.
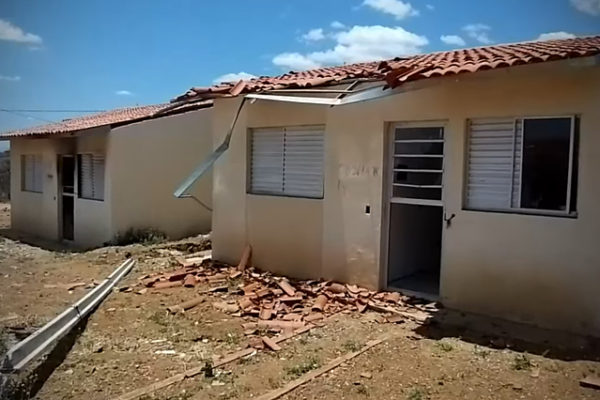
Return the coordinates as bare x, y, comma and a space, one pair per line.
118, 117
399, 70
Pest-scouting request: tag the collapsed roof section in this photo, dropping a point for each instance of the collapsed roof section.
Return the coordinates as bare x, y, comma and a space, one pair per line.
112, 118
397, 71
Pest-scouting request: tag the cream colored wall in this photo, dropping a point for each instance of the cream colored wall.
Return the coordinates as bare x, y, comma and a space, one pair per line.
93, 217
39, 214
147, 161
265, 222
537, 269
35, 213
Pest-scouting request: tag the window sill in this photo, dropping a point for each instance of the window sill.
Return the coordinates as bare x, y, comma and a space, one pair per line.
86, 198
286, 196
535, 213
31, 191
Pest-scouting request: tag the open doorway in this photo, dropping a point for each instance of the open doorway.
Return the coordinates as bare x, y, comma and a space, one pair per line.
66, 188
415, 216
415, 248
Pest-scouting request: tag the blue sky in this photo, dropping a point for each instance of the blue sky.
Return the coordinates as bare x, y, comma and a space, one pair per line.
67, 54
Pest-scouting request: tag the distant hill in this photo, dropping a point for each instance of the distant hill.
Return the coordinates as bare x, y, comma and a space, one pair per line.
5, 175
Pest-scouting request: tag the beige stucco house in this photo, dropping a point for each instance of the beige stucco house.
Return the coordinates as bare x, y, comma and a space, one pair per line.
86, 180
468, 176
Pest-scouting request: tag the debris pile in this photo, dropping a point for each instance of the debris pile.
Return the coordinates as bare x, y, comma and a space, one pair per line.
277, 304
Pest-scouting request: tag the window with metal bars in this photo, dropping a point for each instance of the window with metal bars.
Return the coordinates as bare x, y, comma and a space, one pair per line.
418, 165
287, 161
32, 173
522, 165
91, 176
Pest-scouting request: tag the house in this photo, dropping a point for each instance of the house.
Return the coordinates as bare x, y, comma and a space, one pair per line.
87, 180
468, 176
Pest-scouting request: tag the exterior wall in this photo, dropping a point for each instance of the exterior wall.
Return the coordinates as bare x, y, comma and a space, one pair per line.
535, 269
39, 214
35, 213
285, 232
147, 161
93, 217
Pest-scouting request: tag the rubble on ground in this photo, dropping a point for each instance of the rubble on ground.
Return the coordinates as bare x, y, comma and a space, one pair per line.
274, 303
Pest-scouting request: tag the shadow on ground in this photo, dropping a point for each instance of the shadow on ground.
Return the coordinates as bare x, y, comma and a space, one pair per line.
27, 384
49, 245
499, 334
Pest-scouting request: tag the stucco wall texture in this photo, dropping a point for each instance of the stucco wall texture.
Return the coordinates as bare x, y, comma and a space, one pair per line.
541, 270
144, 163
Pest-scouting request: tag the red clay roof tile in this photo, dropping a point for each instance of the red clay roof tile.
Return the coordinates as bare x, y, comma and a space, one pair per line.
400, 70
118, 117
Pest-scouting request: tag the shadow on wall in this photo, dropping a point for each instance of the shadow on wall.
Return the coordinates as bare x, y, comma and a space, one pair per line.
5, 176
495, 333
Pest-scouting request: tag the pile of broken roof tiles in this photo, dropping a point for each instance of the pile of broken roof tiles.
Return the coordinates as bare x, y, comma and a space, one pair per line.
273, 303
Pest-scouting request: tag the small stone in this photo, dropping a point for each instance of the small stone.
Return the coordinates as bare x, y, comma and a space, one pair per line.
535, 373
366, 375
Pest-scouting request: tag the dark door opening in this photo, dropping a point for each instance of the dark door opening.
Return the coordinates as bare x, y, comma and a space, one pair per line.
416, 168
67, 194
415, 248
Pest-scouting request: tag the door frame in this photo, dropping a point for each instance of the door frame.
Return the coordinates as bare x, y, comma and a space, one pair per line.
60, 194
387, 179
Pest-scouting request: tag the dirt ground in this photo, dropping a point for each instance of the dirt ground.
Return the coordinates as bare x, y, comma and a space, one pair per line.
131, 341
4, 215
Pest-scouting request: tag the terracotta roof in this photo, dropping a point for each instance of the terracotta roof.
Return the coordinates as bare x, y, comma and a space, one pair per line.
399, 70
118, 117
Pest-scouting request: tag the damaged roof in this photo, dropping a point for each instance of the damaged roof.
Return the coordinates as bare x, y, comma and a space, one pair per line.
399, 70
113, 118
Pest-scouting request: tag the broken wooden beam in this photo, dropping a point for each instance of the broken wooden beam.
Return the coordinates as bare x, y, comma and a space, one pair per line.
198, 370
270, 343
245, 258
420, 317
592, 382
277, 393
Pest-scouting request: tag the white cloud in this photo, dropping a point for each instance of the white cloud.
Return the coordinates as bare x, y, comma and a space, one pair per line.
295, 61
233, 77
591, 7
478, 32
430, 7
555, 36
397, 8
13, 33
358, 44
314, 35
123, 93
337, 25
10, 78
453, 40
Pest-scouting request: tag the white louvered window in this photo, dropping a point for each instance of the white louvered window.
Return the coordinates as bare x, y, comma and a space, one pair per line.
32, 173
91, 176
522, 164
287, 161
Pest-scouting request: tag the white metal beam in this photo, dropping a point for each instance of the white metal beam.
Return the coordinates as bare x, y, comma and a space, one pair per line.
357, 96
47, 336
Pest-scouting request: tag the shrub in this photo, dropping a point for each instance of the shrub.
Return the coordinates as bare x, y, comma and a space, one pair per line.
145, 236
